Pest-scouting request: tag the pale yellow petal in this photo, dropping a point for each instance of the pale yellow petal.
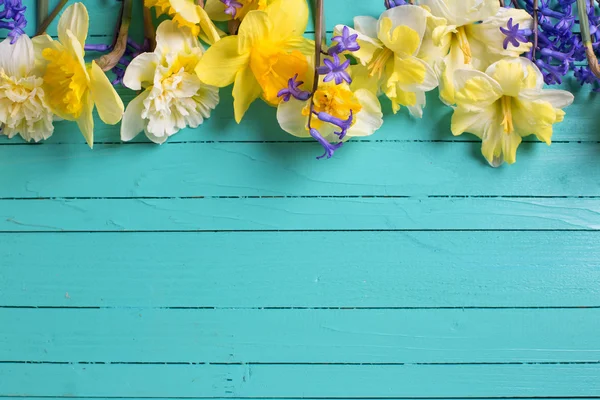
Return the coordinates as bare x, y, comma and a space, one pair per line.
75, 19
475, 90
133, 123
140, 72
401, 29
107, 100
370, 118
369, 45
85, 122
291, 118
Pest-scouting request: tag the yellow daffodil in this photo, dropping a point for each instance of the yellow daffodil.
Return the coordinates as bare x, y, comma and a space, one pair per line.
268, 50
189, 14
344, 102
471, 37
505, 104
23, 108
391, 50
216, 8
72, 88
173, 96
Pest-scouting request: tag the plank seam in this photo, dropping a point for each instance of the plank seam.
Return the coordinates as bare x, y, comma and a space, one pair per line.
259, 363
274, 308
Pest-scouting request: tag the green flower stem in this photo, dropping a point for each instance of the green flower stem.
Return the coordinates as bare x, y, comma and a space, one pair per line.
149, 30
44, 25
42, 11
110, 60
584, 25
320, 37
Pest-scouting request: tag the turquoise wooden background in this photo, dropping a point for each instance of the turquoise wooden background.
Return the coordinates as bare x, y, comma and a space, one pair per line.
230, 263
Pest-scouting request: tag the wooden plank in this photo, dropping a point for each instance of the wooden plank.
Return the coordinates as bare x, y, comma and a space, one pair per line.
277, 381
217, 169
301, 269
400, 336
313, 214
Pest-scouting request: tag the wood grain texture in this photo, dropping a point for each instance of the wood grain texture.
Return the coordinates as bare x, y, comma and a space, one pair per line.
275, 381
229, 263
301, 269
314, 336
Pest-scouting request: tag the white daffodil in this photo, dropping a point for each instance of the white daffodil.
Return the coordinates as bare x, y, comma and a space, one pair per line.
505, 104
173, 97
357, 108
471, 37
391, 49
23, 108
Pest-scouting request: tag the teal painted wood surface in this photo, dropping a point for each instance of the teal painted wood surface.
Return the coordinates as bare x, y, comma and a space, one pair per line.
229, 263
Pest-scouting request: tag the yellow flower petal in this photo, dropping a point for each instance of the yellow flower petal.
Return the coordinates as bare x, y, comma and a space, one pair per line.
402, 40
221, 62
208, 28
412, 74
289, 18
85, 121
245, 90
75, 19
254, 29
109, 104
475, 90
216, 10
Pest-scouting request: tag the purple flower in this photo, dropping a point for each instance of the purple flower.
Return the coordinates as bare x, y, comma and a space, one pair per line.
231, 7
333, 70
329, 148
345, 42
344, 125
394, 3
12, 17
513, 35
294, 90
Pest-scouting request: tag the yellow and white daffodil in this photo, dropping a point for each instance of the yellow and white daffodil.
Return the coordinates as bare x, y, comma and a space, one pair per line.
217, 10
471, 36
390, 48
189, 14
23, 108
505, 104
268, 51
173, 96
344, 102
71, 87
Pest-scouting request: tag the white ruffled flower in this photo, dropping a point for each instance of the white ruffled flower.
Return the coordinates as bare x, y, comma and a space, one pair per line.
174, 97
23, 109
